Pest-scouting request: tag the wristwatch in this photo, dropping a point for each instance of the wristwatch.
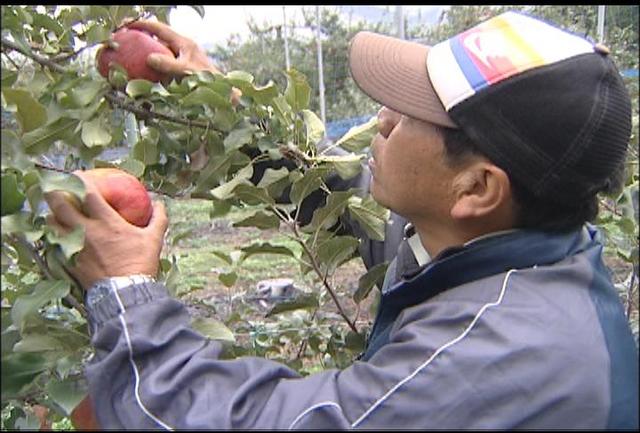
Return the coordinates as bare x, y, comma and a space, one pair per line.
102, 288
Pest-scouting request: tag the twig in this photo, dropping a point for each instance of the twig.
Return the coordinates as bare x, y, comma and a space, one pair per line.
46, 167
325, 283
47, 272
145, 114
44, 61
10, 59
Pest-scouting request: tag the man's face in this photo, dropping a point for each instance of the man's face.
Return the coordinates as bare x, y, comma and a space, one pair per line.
409, 174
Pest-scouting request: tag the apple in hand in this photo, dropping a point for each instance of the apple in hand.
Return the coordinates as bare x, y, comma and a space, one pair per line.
83, 417
123, 191
133, 47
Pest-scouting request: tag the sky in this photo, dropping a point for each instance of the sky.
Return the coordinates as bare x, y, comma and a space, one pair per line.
220, 22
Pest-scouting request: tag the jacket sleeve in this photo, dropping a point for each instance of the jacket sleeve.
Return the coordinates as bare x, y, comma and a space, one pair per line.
151, 370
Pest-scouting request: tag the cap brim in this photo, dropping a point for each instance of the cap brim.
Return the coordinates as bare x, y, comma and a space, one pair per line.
394, 73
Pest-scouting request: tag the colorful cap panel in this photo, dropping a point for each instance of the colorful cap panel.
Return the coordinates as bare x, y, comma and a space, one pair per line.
497, 49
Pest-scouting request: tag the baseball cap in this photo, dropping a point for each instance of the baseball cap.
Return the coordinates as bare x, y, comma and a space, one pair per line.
547, 106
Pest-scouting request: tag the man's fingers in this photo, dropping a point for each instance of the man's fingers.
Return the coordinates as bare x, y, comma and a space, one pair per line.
161, 30
66, 213
57, 226
94, 204
166, 64
159, 220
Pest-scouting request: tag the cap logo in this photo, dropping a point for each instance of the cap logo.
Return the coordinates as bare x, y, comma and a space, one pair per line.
494, 50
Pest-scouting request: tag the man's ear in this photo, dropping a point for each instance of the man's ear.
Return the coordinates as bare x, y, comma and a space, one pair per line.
481, 190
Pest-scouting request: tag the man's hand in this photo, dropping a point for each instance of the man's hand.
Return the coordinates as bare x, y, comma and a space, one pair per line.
112, 246
190, 57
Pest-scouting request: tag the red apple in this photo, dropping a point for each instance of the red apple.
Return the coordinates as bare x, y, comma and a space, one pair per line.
123, 192
83, 416
133, 47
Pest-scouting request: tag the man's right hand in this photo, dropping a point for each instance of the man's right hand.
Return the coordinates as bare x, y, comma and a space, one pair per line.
190, 57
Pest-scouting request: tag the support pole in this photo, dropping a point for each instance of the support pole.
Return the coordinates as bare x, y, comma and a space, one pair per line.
400, 21
601, 11
285, 31
320, 73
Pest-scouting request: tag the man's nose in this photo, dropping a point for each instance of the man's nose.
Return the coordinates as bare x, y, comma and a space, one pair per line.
387, 120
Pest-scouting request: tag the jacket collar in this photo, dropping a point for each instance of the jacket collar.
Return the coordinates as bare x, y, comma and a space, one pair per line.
482, 257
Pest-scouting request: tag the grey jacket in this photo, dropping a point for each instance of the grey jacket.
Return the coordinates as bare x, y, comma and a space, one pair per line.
518, 330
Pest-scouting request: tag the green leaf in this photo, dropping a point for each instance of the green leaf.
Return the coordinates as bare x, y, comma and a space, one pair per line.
302, 302
12, 197
84, 92
21, 223
66, 393
133, 166
94, 133
265, 94
228, 278
139, 87
43, 293
304, 186
326, 216
213, 329
30, 114
315, 127
18, 370
56, 181
46, 22
371, 216
336, 251
97, 33
239, 137
37, 142
366, 282
347, 166
8, 77
275, 181
225, 191
220, 208
359, 137
354, 342
260, 219
265, 248
253, 195
239, 76
12, 154
70, 243
36, 343
298, 92
282, 109
205, 96
272, 176
146, 149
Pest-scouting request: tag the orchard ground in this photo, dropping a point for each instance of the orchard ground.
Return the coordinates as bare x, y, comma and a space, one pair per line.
198, 284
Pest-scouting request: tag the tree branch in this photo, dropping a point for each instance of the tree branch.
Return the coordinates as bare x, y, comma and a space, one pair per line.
44, 61
325, 283
47, 272
146, 114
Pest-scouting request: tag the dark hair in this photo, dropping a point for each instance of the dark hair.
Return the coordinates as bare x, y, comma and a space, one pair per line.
532, 211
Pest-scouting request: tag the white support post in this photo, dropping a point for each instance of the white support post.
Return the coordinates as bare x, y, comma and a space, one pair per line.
320, 73
286, 39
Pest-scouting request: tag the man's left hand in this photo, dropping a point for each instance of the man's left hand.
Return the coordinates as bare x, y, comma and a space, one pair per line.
112, 247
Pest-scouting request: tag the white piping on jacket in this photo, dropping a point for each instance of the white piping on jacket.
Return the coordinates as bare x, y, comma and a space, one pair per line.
437, 352
312, 408
133, 365
381, 400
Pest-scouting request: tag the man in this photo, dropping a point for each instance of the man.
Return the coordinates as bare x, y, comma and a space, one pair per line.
498, 311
